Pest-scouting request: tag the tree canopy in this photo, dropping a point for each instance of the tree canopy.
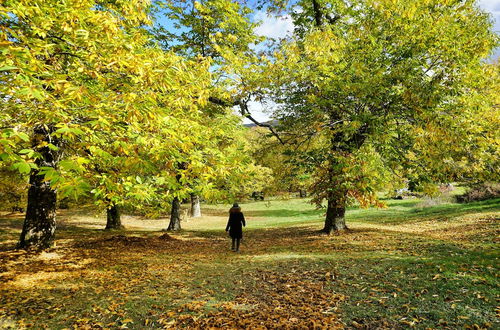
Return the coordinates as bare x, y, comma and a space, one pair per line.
367, 83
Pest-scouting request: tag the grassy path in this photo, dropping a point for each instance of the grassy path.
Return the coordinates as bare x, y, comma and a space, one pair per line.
404, 266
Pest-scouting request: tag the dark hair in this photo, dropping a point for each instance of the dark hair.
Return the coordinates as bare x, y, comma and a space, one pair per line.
236, 205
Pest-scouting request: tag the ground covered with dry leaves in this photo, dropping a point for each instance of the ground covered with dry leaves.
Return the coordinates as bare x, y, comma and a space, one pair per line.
411, 265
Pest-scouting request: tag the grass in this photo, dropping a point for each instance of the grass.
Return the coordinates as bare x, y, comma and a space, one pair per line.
410, 265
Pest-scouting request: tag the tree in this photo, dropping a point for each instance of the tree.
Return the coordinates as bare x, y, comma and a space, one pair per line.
364, 82
474, 155
290, 173
219, 30
75, 75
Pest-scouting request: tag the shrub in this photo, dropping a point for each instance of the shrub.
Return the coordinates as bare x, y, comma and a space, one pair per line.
480, 192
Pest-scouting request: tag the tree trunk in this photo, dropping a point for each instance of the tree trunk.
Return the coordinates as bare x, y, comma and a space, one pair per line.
175, 215
40, 220
302, 193
113, 218
195, 206
335, 217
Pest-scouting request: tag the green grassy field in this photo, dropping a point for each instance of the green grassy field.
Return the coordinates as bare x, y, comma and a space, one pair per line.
413, 264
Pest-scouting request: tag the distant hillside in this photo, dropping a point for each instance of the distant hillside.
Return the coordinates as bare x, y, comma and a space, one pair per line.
273, 123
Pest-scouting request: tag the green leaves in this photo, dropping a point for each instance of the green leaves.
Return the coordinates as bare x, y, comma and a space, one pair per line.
7, 68
22, 167
99, 91
23, 136
367, 91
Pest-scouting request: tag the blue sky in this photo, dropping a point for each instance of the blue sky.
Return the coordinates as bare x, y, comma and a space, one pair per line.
493, 7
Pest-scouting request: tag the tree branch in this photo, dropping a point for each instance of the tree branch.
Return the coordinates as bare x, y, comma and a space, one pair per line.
318, 15
224, 103
246, 113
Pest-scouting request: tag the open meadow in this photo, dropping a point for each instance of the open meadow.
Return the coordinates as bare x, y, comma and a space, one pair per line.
410, 265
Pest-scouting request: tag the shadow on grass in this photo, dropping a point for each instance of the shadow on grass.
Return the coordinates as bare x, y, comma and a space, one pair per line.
292, 236
9, 224
10, 229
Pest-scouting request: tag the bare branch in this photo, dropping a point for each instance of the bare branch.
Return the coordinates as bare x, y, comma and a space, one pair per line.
246, 113
243, 104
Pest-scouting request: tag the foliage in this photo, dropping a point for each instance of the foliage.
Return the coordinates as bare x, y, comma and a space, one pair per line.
208, 28
372, 102
239, 176
480, 192
470, 151
108, 96
212, 165
288, 173
12, 190
221, 31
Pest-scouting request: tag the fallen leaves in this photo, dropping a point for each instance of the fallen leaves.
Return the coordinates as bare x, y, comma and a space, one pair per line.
292, 300
284, 278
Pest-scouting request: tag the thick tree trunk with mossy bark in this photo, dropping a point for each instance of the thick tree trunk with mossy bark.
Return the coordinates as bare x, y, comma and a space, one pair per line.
175, 215
40, 220
336, 205
195, 206
337, 197
114, 220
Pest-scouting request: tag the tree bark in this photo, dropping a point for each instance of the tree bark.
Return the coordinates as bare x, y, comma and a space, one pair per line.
318, 15
113, 218
335, 217
302, 193
195, 206
175, 215
40, 220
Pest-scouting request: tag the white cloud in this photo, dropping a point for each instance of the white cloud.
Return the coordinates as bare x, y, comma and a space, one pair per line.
273, 27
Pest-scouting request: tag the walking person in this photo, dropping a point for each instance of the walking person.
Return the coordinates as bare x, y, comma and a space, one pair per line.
235, 226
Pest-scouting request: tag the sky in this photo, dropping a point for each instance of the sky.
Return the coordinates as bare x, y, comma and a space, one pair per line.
492, 7
279, 27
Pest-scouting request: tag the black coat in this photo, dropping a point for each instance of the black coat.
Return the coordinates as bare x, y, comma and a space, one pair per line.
235, 223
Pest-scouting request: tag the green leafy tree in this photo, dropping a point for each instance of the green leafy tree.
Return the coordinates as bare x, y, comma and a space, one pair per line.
221, 31
290, 173
368, 81
74, 76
